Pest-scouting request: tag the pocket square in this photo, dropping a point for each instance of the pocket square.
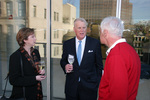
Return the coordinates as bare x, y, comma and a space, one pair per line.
90, 51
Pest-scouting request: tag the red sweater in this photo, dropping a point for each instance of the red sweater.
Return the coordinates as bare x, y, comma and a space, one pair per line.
121, 74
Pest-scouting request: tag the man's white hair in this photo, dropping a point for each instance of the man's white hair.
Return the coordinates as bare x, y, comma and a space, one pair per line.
114, 26
80, 19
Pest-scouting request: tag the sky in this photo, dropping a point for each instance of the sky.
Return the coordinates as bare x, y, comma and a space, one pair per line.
140, 11
76, 3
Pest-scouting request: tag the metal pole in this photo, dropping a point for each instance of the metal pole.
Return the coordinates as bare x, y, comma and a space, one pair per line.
48, 47
118, 9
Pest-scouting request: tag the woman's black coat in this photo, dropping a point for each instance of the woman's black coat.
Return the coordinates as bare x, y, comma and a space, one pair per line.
28, 80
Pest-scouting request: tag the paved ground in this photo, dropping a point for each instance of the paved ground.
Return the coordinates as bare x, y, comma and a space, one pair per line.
143, 92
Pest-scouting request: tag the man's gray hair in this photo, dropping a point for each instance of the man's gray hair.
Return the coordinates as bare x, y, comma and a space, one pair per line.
80, 19
114, 26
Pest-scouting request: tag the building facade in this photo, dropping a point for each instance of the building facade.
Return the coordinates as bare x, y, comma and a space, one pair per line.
95, 10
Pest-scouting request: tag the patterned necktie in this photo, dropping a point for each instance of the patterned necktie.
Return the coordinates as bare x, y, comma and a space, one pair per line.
79, 52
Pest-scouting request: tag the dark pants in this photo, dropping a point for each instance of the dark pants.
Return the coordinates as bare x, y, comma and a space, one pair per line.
83, 94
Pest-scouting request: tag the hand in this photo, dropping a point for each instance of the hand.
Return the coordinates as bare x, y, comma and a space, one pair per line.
68, 68
42, 72
40, 77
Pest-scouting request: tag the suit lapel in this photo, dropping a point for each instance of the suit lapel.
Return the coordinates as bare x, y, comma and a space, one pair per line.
85, 50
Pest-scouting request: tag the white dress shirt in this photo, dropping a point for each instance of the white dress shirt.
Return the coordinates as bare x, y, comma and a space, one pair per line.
82, 44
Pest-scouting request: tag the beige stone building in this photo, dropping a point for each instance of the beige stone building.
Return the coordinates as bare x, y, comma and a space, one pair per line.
36, 18
62, 22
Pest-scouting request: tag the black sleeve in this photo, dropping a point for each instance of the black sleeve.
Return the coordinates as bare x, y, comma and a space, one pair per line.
15, 75
63, 60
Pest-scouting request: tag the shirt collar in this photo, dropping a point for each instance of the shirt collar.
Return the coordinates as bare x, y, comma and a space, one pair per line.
83, 40
118, 41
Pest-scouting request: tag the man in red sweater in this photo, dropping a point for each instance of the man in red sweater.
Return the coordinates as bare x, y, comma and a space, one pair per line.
122, 69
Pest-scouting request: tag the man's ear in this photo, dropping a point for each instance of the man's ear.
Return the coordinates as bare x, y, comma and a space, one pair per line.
105, 33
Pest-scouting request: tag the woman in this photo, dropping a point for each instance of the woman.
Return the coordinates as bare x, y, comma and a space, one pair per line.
33, 75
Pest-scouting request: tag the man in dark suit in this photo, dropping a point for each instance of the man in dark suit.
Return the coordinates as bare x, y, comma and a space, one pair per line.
84, 74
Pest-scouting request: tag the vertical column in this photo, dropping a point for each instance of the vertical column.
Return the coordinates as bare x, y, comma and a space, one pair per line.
118, 8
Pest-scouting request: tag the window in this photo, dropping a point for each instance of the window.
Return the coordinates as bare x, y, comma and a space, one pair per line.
9, 8
56, 51
16, 10
21, 9
21, 26
34, 11
36, 47
54, 16
45, 13
94, 11
44, 33
10, 29
57, 16
56, 34
135, 20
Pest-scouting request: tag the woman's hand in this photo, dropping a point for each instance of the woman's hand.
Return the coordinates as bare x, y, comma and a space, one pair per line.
42, 72
40, 77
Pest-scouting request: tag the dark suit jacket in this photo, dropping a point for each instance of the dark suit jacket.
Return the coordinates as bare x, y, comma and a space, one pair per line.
16, 79
90, 68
